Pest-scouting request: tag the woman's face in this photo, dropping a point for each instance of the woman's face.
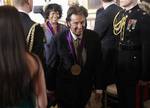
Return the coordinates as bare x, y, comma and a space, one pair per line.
53, 16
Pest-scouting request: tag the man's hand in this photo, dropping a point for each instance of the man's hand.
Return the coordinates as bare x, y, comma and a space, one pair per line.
51, 98
98, 96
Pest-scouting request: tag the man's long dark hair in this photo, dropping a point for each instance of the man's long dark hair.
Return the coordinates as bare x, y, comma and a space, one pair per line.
14, 72
75, 9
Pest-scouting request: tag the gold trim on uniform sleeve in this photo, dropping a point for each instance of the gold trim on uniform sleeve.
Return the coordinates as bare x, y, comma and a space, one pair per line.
30, 37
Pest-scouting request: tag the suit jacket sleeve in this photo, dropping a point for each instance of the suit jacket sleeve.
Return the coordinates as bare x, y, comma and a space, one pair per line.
145, 37
51, 73
101, 24
99, 71
38, 45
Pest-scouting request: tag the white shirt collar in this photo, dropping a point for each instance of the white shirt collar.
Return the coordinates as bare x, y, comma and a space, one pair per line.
106, 4
22, 11
74, 36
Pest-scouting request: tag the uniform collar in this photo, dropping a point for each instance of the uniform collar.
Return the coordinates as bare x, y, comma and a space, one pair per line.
107, 4
130, 7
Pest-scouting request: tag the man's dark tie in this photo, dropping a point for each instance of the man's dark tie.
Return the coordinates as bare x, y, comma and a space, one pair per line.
78, 50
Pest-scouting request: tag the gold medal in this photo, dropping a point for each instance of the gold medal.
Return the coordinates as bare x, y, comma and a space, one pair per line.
75, 69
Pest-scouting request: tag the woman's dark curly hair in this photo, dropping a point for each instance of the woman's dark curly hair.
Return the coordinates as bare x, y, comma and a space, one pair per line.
52, 7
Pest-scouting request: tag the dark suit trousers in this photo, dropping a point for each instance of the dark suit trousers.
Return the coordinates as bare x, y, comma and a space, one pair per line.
65, 105
127, 95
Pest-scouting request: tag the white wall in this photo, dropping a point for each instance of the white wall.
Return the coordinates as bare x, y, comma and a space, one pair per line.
1, 2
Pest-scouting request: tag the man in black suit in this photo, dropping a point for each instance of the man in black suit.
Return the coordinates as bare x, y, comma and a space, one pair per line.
104, 27
100, 8
99, 11
78, 63
37, 47
131, 29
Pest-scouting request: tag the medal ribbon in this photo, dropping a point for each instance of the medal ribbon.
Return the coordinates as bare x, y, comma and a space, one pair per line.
51, 28
77, 57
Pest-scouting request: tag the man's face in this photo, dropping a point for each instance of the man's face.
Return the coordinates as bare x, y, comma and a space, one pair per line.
126, 3
77, 24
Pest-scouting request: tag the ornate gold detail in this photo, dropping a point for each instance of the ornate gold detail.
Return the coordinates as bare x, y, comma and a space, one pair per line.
119, 26
30, 37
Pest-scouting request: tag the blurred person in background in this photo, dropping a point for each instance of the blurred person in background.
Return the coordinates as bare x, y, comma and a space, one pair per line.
52, 13
22, 82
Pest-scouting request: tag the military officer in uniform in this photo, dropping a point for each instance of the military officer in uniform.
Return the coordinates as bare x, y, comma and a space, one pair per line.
131, 29
34, 32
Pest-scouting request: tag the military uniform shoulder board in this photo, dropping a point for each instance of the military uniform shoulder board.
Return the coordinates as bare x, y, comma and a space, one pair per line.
30, 37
